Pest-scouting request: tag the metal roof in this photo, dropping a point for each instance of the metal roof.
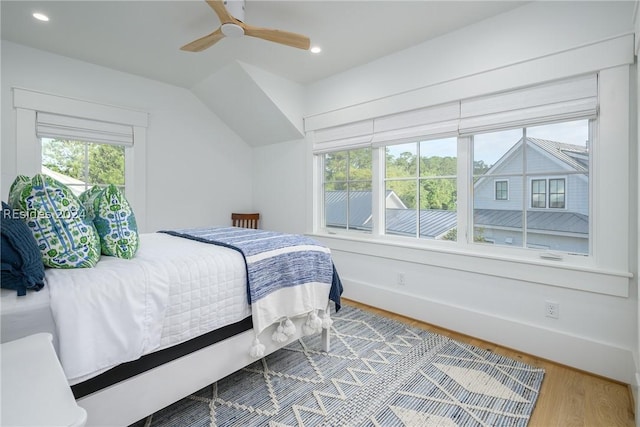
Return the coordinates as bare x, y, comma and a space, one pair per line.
433, 222
566, 222
359, 209
569, 153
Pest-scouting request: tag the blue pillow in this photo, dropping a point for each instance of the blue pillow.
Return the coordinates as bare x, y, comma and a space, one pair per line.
22, 266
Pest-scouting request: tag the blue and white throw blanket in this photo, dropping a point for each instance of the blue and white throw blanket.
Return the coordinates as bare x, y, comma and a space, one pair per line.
287, 276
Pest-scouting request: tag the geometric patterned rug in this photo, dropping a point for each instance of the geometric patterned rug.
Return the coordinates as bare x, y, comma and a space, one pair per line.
379, 372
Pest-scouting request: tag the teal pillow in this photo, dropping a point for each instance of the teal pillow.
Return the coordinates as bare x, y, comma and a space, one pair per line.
114, 220
55, 216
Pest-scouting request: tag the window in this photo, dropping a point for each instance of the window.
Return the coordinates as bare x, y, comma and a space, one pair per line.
421, 189
538, 193
502, 190
108, 141
347, 189
80, 165
519, 179
556, 193
534, 156
516, 163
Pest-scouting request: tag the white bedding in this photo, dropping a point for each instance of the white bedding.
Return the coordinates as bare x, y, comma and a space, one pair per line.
173, 290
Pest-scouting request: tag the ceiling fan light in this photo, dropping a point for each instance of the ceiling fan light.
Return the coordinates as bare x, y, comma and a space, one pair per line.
315, 49
232, 30
40, 16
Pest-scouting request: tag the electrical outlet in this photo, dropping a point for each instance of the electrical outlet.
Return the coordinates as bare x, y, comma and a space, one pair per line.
552, 309
400, 279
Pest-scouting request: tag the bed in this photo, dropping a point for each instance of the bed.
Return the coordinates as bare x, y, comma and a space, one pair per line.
136, 335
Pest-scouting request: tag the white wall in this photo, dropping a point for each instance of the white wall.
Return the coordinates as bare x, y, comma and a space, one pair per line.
198, 170
595, 332
280, 182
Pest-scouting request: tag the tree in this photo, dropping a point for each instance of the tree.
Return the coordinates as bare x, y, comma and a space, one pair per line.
105, 161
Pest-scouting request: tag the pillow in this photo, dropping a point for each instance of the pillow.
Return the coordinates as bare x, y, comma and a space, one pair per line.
22, 266
87, 198
114, 220
56, 218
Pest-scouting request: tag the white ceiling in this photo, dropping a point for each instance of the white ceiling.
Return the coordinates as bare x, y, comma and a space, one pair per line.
144, 37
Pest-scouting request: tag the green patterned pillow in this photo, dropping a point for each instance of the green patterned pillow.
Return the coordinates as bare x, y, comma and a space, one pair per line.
87, 198
114, 219
57, 220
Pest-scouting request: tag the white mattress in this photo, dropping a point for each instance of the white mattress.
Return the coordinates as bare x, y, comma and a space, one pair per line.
173, 290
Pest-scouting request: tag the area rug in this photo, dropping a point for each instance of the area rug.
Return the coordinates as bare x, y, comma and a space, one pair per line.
379, 372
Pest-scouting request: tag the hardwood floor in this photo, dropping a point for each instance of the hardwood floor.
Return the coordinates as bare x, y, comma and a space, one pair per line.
568, 397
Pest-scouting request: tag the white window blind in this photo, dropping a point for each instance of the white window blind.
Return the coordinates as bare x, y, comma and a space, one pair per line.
430, 122
558, 101
344, 137
74, 128
565, 100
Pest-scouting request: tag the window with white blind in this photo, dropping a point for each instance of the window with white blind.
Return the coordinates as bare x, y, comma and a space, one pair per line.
519, 161
82, 143
83, 153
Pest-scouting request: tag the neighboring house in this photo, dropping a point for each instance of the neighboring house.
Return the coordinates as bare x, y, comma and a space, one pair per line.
557, 211
76, 185
358, 206
557, 205
399, 220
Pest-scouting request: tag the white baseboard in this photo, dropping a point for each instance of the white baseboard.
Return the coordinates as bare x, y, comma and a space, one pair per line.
575, 351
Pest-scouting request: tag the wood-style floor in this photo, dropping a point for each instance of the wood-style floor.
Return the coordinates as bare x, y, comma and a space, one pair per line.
568, 397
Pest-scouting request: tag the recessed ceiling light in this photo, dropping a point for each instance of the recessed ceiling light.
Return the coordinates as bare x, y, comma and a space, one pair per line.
41, 16
316, 49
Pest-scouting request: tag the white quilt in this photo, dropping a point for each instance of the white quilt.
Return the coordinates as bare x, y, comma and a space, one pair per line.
173, 290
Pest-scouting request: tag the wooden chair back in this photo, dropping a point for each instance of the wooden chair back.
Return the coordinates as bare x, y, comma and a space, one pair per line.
245, 220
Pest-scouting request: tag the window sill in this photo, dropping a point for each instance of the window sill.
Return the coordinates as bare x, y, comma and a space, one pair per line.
541, 271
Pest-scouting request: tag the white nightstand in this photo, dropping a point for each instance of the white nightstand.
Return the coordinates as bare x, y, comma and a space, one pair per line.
35, 391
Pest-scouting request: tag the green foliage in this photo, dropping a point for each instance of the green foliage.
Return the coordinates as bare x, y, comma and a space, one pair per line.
437, 180
106, 162
351, 169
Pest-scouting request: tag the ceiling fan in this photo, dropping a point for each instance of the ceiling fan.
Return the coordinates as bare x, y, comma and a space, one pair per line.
231, 15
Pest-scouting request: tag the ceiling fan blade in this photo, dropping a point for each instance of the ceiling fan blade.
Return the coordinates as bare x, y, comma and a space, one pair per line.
204, 42
220, 10
278, 36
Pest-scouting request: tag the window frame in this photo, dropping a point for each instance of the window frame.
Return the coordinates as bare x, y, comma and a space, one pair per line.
465, 218
564, 192
533, 201
506, 191
28, 103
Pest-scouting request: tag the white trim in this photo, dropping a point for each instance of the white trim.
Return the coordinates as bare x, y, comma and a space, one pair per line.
492, 261
57, 104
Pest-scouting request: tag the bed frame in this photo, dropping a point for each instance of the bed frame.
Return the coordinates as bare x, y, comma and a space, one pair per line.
137, 397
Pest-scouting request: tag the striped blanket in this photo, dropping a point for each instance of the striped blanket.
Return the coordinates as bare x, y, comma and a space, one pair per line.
287, 275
